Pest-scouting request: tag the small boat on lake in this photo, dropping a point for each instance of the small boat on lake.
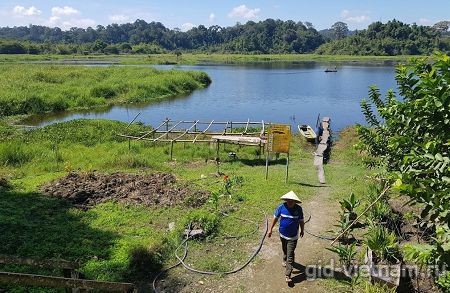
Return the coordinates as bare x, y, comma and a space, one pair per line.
331, 70
307, 132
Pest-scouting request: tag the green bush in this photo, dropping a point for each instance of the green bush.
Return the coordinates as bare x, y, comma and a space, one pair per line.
202, 219
382, 242
411, 135
444, 281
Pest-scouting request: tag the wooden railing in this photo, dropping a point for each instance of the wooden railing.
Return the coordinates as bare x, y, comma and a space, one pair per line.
71, 279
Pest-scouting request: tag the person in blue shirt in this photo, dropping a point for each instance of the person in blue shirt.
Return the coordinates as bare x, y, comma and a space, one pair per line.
290, 215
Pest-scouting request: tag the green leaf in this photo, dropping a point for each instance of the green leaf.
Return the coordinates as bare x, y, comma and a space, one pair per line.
429, 156
446, 246
437, 103
398, 183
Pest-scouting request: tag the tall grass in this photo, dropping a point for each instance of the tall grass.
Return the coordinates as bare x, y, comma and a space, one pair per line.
14, 154
197, 58
33, 88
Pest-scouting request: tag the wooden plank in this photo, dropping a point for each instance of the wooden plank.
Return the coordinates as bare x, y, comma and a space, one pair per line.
59, 282
131, 122
225, 129
223, 122
263, 129
187, 130
246, 127
204, 131
243, 139
168, 131
57, 264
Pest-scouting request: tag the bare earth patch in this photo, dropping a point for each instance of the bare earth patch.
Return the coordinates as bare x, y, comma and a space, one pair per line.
89, 189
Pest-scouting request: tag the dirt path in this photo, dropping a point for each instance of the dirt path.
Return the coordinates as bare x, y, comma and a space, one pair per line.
266, 273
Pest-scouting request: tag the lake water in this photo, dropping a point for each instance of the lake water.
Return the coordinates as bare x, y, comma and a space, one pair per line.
277, 93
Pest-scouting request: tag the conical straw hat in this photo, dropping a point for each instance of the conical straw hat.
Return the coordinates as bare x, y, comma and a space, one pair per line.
291, 195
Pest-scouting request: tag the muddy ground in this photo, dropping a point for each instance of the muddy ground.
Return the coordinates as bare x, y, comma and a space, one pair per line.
88, 189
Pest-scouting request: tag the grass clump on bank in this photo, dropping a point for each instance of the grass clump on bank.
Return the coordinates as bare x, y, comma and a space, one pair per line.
200, 58
34, 89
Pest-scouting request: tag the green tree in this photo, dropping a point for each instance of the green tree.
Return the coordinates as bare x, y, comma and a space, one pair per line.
442, 26
413, 141
340, 30
12, 47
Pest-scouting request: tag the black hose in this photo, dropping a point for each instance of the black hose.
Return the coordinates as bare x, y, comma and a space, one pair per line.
171, 267
232, 271
320, 237
184, 242
181, 260
317, 236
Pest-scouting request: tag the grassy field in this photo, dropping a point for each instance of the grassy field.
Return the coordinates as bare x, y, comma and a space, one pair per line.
247, 58
194, 58
119, 242
34, 88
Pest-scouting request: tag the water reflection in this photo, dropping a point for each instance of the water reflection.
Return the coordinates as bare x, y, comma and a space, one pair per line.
282, 92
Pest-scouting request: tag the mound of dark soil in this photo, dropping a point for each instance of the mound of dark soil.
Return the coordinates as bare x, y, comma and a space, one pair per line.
88, 189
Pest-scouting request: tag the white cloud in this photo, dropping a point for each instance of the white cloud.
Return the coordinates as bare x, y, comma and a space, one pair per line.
187, 26
66, 10
65, 24
212, 17
425, 21
66, 18
22, 11
54, 20
120, 18
81, 23
354, 17
244, 12
345, 13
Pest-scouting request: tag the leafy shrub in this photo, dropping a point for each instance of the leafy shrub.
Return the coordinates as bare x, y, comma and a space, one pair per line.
444, 281
34, 104
382, 242
411, 136
348, 206
201, 219
346, 253
380, 210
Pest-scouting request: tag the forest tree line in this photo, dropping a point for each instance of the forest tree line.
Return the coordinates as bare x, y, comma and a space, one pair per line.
264, 37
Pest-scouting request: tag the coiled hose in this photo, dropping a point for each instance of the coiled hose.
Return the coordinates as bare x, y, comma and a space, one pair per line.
181, 260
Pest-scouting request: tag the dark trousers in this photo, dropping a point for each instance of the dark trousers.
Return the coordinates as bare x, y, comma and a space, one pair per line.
288, 247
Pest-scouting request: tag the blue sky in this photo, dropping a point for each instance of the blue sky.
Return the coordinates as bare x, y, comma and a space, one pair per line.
358, 14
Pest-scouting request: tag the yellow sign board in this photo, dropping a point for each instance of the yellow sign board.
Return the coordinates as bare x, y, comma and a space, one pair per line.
279, 138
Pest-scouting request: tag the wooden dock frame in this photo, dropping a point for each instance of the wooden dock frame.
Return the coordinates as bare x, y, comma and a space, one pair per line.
170, 131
